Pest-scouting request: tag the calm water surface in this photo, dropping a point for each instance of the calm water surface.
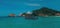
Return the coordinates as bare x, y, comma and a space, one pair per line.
21, 22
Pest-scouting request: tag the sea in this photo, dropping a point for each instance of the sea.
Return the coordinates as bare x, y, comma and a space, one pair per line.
21, 22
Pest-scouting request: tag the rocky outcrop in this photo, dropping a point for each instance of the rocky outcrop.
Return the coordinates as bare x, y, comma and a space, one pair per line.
11, 15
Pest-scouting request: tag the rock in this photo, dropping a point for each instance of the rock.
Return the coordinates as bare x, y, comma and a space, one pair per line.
11, 15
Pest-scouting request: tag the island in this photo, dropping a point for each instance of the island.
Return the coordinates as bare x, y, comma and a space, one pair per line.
44, 11
11, 15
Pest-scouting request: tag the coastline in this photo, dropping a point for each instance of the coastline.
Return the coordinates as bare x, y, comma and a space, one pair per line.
28, 16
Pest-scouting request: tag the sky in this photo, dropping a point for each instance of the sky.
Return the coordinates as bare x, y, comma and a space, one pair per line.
20, 6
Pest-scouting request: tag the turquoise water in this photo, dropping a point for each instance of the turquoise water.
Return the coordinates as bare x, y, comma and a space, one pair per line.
20, 22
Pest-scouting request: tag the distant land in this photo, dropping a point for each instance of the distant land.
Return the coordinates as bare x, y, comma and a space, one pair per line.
44, 11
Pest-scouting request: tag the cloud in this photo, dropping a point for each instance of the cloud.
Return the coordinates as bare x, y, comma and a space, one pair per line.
32, 4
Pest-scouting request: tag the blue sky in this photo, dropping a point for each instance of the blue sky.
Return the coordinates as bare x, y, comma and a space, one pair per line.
20, 6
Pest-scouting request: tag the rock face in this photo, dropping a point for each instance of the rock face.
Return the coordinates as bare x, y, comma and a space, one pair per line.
11, 15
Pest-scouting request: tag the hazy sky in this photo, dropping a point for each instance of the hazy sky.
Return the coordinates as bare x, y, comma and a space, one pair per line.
20, 6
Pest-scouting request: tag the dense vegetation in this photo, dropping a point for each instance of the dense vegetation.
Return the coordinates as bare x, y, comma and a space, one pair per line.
45, 11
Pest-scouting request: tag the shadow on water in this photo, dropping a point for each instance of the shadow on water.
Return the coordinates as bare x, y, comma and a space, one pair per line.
31, 18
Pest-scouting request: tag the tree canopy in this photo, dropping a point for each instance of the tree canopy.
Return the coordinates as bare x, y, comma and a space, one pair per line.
44, 10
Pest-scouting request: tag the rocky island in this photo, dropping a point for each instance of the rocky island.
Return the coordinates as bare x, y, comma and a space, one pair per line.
11, 15
44, 11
